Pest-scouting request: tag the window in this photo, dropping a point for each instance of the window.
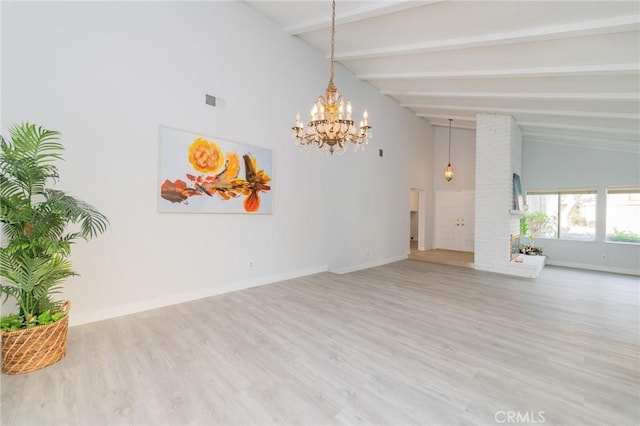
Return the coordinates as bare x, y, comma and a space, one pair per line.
568, 215
623, 215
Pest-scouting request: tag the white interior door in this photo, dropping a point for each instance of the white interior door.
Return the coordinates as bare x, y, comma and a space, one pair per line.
467, 228
455, 220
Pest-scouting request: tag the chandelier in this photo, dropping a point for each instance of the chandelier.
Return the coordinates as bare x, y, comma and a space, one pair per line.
448, 171
330, 124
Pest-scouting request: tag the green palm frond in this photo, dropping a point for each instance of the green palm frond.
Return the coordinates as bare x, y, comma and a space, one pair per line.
27, 160
36, 143
34, 279
92, 222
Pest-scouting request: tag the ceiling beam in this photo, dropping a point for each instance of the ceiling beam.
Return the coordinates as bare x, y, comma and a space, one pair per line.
573, 140
553, 32
566, 71
558, 96
453, 126
635, 133
561, 113
446, 117
357, 14
576, 138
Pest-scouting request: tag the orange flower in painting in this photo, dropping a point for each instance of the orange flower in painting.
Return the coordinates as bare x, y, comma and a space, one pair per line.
205, 156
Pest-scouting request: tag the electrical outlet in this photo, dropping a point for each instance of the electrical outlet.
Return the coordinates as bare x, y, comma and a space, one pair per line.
251, 264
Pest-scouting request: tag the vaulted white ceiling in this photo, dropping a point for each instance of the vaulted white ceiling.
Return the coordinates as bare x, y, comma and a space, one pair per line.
567, 71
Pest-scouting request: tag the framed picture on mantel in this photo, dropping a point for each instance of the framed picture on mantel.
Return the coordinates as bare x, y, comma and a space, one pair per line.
518, 198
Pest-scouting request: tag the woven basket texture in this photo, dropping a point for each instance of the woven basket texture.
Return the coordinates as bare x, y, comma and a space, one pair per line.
30, 349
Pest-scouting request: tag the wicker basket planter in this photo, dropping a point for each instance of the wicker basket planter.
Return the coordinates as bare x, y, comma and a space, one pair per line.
30, 349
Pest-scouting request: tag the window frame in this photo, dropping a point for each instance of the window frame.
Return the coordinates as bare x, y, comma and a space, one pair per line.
559, 193
617, 190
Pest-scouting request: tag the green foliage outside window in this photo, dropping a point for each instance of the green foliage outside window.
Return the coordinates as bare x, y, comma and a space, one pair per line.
623, 236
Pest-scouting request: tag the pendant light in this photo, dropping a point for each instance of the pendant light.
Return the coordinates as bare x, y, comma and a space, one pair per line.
448, 171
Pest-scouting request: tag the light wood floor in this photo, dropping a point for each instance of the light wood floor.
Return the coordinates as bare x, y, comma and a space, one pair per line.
405, 343
444, 257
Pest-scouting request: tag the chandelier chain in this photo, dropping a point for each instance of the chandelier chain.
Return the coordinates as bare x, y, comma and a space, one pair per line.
333, 41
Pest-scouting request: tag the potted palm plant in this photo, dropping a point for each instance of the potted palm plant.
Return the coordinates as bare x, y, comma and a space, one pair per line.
39, 225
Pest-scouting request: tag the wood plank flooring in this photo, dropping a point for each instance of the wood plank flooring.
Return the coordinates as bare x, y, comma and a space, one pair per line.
401, 344
442, 256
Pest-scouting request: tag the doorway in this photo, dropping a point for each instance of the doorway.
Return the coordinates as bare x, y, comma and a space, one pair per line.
417, 219
459, 240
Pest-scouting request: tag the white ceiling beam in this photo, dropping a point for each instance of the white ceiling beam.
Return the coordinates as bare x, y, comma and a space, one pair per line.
357, 14
610, 130
600, 143
573, 137
566, 71
453, 126
447, 117
553, 32
578, 96
560, 113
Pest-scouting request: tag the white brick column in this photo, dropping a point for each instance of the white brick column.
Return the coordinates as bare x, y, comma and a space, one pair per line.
498, 156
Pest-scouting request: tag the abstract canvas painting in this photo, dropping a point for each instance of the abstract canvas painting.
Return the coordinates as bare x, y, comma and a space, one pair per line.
205, 174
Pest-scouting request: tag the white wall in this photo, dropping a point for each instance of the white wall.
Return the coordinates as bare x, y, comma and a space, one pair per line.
555, 166
107, 75
1, 32
370, 194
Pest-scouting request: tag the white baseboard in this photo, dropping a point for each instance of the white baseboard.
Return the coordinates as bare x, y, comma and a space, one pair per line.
132, 308
368, 265
626, 271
